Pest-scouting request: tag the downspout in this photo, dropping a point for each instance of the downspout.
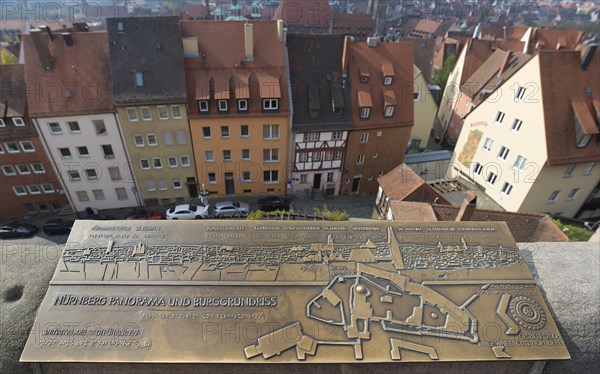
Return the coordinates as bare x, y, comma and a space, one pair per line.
136, 191
291, 153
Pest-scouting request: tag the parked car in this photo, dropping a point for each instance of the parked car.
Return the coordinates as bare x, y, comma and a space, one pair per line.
140, 214
273, 203
187, 211
17, 230
57, 226
231, 209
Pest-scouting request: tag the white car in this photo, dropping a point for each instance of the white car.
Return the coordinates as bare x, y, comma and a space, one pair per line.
187, 211
230, 208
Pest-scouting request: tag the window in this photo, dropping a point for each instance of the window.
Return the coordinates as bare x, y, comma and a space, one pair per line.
162, 184
74, 175
365, 113
360, 160
271, 132
157, 163
19, 190
152, 141
316, 156
8, 170
271, 176
206, 132
180, 137
108, 151
139, 79
520, 162
245, 154
499, 118
121, 193
27, 146
38, 168
227, 155
172, 161
375, 155
303, 178
212, 178
55, 128
589, 168
177, 184
47, 188
477, 168
364, 79
83, 151
328, 155
503, 153
553, 197
185, 161
242, 105
91, 174
573, 194
146, 114
162, 112
520, 94
18, 121
517, 125
311, 136
99, 126
73, 127
223, 105
303, 157
98, 195
338, 155
364, 137
506, 188
416, 96
487, 145
132, 114
65, 153
270, 104
225, 131
55, 205
23, 169
244, 131
389, 111
329, 177
210, 156
583, 141
150, 185
337, 135
271, 155
82, 196
176, 111
138, 140
203, 106
145, 163
491, 179
168, 138
246, 176
387, 81
569, 172
2, 124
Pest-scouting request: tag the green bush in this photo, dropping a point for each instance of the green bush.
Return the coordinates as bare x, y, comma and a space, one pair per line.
331, 215
575, 234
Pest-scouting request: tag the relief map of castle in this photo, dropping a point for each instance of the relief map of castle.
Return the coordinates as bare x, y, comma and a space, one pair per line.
285, 292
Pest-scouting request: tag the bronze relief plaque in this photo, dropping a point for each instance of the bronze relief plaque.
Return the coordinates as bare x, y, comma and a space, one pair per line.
287, 292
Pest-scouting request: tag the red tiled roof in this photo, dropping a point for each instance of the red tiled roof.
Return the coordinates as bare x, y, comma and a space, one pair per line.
426, 26
400, 182
304, 12
12, 91
409, 211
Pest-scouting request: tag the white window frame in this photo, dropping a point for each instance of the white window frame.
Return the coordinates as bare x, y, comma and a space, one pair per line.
589, 168
209, 132
166, 112
506, 189
389, 111
27, 171
152, 144
223, 105
130, 111
227, 159
63, 157
47, 188
147, 110
270, 104
9, 173
364, 137
150, 185
503, 153
360, 160
96, 122
516, 127
203, 106
553, 197
168, 138
35, 191
214, 179
18, 122
271, 132
573, 194
584, 141
271, 152
78, 131
569, 172
225, 133
387, 81
180, 137
520, 94
492, 178
154, 159
242, 127
74, 175
16, 148
499, 118
303, 157
98, 195
271, 181
312, 136
520, 162
176, 116
487, 144
172, 165
16, 190
2, 124
93, 176
87, 155
22, 143
365, 113
59, 132
184, 164
477, 169
162, 184
125, 197
209, 156
177, 185
243, 157
337, 135
82, 196
147, 161
242, 105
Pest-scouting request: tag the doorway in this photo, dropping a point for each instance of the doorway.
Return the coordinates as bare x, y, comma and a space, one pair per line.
317, 182
192, 187
356, 184
229, 184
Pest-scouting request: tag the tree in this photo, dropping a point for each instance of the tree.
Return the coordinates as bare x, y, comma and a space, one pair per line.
8, 58
441, 76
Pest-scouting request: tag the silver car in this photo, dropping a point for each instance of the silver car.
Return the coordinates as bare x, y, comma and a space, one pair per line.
187, 211
231, 209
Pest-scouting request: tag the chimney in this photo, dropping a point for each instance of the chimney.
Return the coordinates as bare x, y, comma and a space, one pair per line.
48, 31
587, 54
346, 55
68, 38
467, 207
41, 48
505, 62
249, 41
372, 42
280, 30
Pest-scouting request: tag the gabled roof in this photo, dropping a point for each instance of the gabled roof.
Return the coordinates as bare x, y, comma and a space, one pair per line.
516, 61
12, 92
563, 83
423, 50
315, 73
152, 46
426, 26
403, 184
410, 211
304, 12
85, 66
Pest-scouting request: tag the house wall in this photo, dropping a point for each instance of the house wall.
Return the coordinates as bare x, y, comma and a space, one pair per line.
236, 143
87, 137
176, 181
425, 110
450, 95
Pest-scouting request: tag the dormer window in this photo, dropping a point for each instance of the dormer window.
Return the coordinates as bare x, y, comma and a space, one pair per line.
364, 79
18, 121
364, 75
389, 111
203, 106
388, 73
243, 105
223, 105
389, 102
270, 104
139, 79
365, 113
387, 81
120, 27
365, 103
